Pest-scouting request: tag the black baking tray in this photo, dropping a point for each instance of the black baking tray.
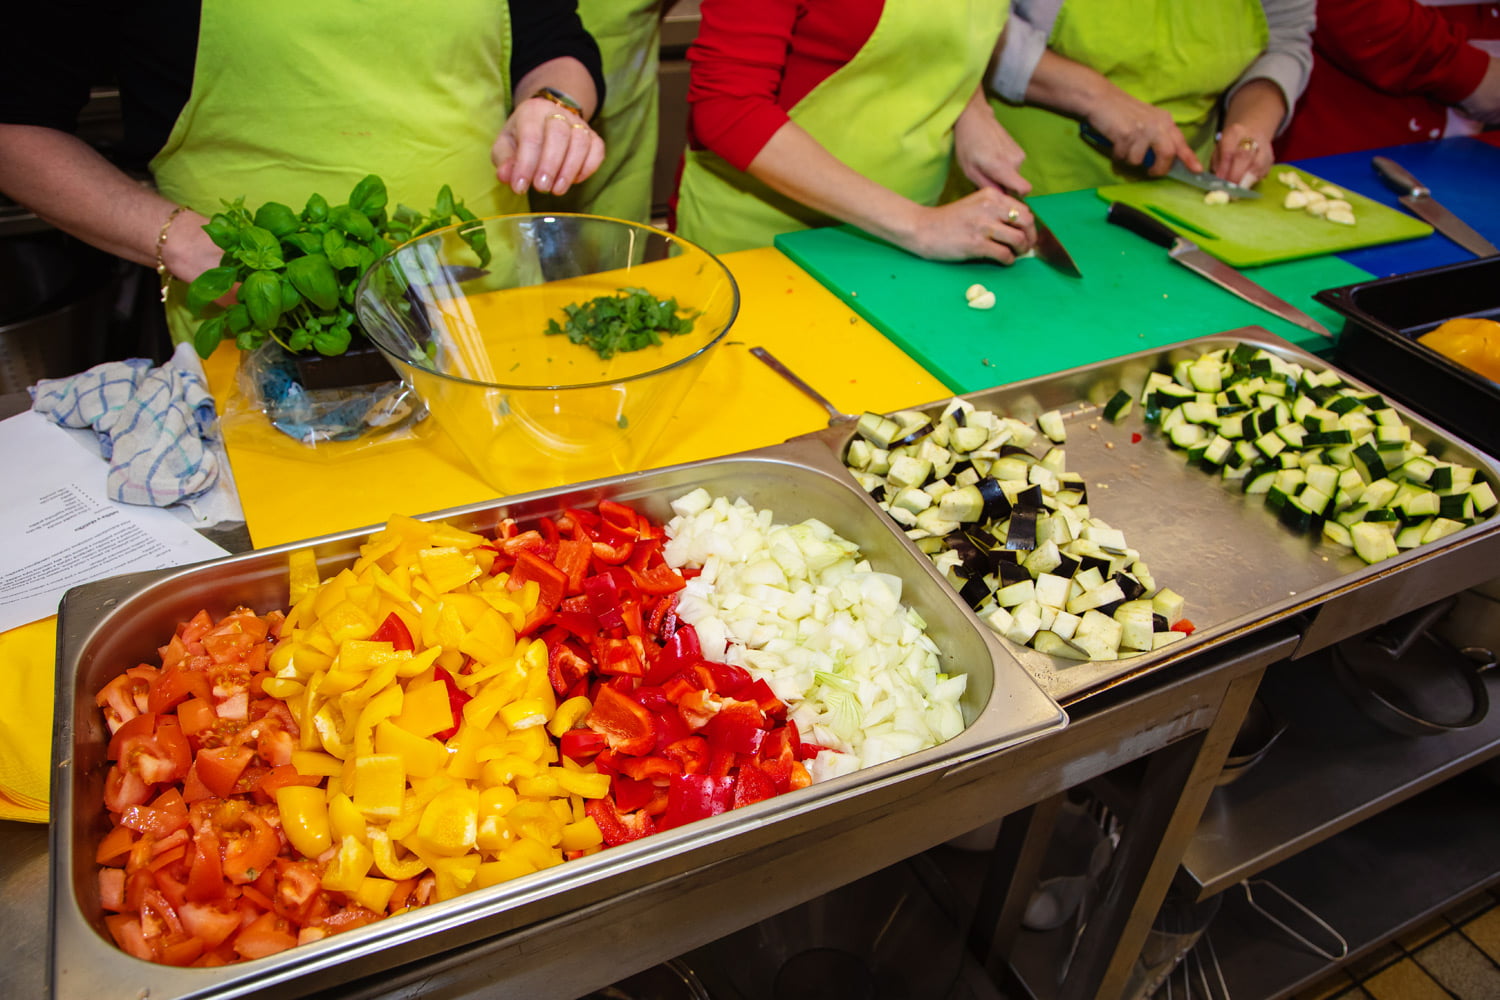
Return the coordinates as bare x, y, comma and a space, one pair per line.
1383, 319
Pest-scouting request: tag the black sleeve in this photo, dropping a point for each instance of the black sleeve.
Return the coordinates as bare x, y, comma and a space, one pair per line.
146, 48
548, 29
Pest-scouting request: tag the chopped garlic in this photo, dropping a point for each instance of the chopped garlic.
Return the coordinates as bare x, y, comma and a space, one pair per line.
1216, 198
974, 291
984, 300
1295, 199
1342, 216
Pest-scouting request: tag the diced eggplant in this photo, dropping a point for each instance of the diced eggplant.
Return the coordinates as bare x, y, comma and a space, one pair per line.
1021, 533
997, 505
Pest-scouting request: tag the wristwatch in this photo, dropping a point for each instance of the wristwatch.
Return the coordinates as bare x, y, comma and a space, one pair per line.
560, 99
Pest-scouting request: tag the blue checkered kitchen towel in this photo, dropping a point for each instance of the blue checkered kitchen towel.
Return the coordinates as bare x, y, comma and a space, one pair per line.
155, 427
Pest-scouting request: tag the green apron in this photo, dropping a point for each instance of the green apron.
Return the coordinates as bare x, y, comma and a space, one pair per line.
292, 98
629, 37
888, 113
1168, 53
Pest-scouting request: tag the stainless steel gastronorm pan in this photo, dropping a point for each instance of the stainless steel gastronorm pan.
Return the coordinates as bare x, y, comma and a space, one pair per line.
107, 627
1236, 565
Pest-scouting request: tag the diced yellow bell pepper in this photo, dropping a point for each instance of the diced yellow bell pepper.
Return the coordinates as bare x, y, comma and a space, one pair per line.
450, 822
379, 785
447, 568
481, 709
313, 762
590, 786
455, 876
374, 893
535, 821
345, 818
331, 593
426, 709
282, 688
491, 639
423, 756
582, 835
349, 866
502, 869
396, 584
379, 708
418, 663
568, 715
539, 854
304, 818
507, 768
363, 655
447, 534
327, 728
524, 713
337, 681
347, 620
302, 574
465, 746
390, 866
540, 786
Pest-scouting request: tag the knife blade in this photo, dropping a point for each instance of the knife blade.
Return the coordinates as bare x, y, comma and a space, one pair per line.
1189, 255
1050, 249
1415, 196
1178, 171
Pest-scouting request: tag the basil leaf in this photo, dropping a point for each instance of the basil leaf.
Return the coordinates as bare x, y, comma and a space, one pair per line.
316, 210
206, 338
368, 196
352, 222
290, 297
223, 230
276, 219
238, 318
314, 278
209, 286
261, 293
259, 249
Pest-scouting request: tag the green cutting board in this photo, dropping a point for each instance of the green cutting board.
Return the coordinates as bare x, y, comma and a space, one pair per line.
1249, 232
1131, 297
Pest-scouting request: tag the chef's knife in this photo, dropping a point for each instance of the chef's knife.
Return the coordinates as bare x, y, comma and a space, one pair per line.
1050, 249
1178, 172
1188, 254
1417, 198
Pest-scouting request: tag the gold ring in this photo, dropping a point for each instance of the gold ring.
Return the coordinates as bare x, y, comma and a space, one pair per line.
1012, 215
1250, 144
559, 117
580, 125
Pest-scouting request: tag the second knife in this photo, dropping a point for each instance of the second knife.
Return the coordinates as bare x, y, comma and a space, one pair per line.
1189, 255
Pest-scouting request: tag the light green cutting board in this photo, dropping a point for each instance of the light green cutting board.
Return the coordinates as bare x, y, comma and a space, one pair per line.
1253, 231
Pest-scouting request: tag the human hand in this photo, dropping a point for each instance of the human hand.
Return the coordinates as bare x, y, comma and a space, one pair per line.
1484, 104
1242, 157
1136, 128
987, 223
986, 153
545, 147
188, 251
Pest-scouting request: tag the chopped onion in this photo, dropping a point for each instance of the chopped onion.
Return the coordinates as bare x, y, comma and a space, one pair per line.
799, 607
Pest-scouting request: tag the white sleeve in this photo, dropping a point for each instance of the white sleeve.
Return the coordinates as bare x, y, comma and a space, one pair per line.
1025, 40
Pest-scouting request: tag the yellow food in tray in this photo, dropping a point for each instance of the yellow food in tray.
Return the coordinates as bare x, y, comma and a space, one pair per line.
1468, 341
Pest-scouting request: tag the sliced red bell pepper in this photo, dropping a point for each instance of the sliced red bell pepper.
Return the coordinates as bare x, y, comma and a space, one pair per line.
567, 666
581, 745
552, 587
663, 620
723, 678
456, 701
752, 784
620, 656
630, 794
650, 769
623, 721
616, 827
657, 579
690, 752
736, 728
394, 631
678, 653
695, 796
573, 560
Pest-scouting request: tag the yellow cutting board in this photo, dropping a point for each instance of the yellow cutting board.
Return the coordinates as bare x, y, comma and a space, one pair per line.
1252, 231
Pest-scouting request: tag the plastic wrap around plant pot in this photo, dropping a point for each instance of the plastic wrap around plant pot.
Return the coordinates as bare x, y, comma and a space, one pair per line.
527, 353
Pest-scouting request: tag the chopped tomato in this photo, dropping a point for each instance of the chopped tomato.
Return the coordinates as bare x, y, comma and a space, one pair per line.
219, 768
250, 845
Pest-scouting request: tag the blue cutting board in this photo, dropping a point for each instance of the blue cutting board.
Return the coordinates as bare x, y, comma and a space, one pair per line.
1463, 175
1131, 298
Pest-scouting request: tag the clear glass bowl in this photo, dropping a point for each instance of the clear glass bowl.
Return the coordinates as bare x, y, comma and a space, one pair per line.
529, 409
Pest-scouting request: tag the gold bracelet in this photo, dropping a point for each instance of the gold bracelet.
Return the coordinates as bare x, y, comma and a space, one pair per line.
161, 244
559, 98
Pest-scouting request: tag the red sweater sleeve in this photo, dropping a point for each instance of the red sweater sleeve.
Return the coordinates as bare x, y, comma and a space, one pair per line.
1400, 47
753, 60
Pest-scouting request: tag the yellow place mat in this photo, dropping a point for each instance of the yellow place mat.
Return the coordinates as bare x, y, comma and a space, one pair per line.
290, 492
27, 656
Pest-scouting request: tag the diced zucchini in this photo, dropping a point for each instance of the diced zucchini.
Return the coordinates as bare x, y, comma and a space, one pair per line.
1052, 425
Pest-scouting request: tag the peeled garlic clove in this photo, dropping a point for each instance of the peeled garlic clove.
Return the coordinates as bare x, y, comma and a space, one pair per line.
985, 300
1295, 199
1216, 198
1342, 216
1338, 204
1318, 208
1329, 191
1292, 180
974, 291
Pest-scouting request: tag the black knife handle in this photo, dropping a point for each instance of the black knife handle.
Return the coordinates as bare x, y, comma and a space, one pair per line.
1141, 224
1397, 177
1101, 142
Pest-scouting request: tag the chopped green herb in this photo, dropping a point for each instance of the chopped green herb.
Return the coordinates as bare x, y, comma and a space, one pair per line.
627, 321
